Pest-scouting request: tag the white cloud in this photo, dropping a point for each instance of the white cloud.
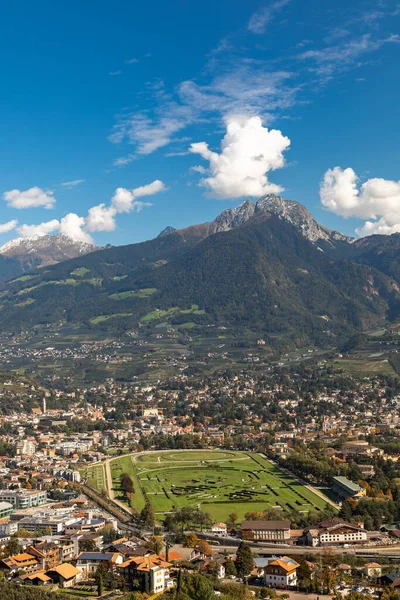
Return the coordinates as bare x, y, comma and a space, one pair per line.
260, 19
198, 169
41, 229
339, 58
122, 161
72, 226
246, 89
115, 72
376, 200
101, 218
33, 197
71, 184
151, 134
131, 61
124, 200
249, 152
9, 226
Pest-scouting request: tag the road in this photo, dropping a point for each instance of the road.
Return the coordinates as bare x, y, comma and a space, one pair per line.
110, 487
388, 552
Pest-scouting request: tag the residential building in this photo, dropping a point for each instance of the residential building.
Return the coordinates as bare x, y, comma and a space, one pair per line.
47, 552
152, 572
373, 570
25, 448
43, 521
335, 532
6, 509
88, 562
281, 573
23, 498
20, 562
272, 531
65, 575
219, 529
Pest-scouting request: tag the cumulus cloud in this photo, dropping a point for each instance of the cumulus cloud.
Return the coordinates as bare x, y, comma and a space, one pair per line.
31, 198
248, 152
72, 225
41, 229
101, 218
124, 200
9, 226
376, 200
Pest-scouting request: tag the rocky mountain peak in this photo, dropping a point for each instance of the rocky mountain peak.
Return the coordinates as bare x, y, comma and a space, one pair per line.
298, 215
234, 217
166, 231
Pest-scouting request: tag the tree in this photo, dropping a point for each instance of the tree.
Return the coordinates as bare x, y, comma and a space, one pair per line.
12, 547
88, 546
230, 567
244, 560
148, 516
390, 594
232, 520
191, 540
100, 586
109, 534
198, 587
204, 547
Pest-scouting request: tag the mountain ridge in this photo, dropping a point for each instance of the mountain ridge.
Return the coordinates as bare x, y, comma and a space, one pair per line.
267, 266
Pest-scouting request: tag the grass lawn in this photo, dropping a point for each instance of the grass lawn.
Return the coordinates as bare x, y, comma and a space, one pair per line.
80, 272
95, 477
124, 464
219, 482
145, 293
166, 314
365, 366
102, 318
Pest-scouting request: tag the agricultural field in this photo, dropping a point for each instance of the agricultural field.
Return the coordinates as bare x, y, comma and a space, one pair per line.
219, 482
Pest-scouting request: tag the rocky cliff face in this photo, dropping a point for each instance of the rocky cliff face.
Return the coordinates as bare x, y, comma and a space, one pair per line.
288, 210
300, 217
234, 217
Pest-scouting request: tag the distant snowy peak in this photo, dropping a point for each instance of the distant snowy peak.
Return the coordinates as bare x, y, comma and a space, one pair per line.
43, 250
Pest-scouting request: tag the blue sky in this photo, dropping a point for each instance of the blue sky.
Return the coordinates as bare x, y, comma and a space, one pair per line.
105, 96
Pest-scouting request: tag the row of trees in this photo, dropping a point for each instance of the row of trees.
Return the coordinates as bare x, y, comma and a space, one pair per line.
127, 487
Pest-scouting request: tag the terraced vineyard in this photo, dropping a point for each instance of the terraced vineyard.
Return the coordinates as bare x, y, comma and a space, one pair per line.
219, 482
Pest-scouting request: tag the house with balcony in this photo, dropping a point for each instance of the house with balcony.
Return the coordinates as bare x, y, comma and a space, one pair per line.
281, 573
152, 572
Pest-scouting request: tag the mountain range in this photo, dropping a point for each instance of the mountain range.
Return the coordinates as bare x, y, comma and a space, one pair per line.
26, 253
267, 266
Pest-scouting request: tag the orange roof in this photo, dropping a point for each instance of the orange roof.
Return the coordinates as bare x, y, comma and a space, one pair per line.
287, 566
172, 556
36, 575
145, 563
66, 571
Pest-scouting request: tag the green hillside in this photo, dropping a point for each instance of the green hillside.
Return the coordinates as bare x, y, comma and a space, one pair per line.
263, 275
